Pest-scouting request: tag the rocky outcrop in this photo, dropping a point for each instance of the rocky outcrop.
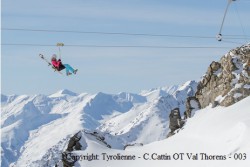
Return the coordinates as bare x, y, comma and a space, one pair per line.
78, 142
74, 144
175, 121
132, 145
192, 105
226, 81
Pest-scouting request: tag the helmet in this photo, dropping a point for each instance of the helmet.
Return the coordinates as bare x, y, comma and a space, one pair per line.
53, 56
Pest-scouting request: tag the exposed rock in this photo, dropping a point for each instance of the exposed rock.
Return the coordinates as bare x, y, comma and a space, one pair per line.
228, 78
215, 104
192, 105
98, 137
228, 100
215, 66
74, 143
132, 145
175, 121
78, 142
67, 160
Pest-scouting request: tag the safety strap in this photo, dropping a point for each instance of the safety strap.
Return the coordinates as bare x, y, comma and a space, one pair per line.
59, 45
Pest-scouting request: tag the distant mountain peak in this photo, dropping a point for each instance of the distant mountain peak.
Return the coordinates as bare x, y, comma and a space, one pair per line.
64, 92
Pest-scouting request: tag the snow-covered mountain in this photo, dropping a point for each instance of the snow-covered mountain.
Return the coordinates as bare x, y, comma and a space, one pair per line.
148, 122
28, 120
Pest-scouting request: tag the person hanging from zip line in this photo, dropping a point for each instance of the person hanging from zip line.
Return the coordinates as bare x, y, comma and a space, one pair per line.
57, 63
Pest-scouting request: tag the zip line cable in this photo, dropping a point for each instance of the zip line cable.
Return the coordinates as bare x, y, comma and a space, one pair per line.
105, 33
225, 13
219, 36
117, 33
122, 46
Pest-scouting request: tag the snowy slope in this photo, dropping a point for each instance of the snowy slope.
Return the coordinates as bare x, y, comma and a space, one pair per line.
26, 117
222, 132
28, 120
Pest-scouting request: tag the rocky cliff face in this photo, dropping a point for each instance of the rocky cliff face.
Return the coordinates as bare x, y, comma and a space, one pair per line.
227, 81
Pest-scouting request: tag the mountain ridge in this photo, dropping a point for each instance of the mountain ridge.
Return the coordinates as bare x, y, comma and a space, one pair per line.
62, 106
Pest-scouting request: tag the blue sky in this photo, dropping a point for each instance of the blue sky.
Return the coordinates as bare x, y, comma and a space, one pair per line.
114, 70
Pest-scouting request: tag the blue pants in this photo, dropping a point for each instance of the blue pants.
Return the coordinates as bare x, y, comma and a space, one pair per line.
68, 68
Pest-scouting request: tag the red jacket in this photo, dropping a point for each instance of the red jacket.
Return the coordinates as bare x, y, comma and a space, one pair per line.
57, 64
